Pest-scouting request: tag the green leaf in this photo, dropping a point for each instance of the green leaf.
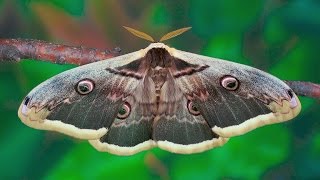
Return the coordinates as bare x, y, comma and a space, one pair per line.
243, 157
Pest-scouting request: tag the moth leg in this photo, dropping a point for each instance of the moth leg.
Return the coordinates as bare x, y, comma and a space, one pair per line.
305, 88
16, 49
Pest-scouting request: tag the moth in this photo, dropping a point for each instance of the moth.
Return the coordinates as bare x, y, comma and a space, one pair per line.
159, 97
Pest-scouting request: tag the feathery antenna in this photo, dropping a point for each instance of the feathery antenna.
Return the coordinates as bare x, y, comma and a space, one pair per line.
139, 34
163, 38
174, 34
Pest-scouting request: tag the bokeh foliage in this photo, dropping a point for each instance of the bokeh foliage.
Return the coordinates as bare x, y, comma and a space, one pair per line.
278, 36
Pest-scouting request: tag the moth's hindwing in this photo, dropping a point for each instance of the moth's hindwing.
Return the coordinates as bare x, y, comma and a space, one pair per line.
133, 133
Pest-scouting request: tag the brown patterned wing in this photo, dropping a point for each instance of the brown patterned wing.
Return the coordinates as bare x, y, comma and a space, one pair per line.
82, 102
235, 98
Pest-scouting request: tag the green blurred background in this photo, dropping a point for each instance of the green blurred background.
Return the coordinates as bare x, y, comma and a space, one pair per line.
281, 37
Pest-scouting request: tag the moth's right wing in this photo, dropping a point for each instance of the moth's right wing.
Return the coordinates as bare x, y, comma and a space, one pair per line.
259, 98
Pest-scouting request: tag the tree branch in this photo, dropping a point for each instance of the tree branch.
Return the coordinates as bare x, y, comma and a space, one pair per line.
305, 88
17, 49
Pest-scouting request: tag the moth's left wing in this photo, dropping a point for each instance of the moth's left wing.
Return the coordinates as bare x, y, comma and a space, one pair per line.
234, 98
82, 102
